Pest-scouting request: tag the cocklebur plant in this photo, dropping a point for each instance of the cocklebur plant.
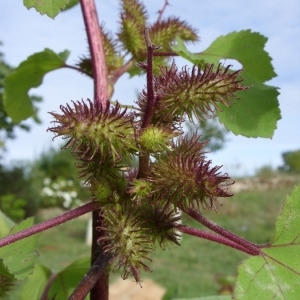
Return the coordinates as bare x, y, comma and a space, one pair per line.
136, 209
179, 177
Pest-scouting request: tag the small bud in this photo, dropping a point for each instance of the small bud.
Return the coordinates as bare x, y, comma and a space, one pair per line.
101, 190
155, 139
140, 189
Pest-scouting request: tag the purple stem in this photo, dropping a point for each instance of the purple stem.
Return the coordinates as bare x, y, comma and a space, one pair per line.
95, 41
101, 95
150, 90
148, 113
91, 277
223, 232
213, 237
48, 286
72, 214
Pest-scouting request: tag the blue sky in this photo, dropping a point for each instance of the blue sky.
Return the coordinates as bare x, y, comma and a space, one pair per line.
25, 32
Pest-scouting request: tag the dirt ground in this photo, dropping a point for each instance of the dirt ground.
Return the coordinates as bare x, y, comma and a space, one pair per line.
129, 290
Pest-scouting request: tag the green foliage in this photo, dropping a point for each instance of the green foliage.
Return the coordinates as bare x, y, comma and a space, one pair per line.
6, 124
49, 7
67, 279
19, 258
246, 47
291, 161
27, 75
34, 285
277, 267
257, 111
71, 4
19, 191
5, 224
13, 206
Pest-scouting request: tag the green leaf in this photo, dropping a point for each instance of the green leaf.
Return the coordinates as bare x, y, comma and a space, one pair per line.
5, 224
49, 7
181, 50
35, 284
27, 75
257, 112
275, 274
19, 257
66, 281
71, 4
246, 47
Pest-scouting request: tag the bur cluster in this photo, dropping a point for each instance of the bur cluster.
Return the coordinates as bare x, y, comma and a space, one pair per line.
141, 202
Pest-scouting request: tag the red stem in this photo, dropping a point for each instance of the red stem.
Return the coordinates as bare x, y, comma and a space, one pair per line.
223, 232
213, 237
95, 41
101, 95
92, 276
75, 213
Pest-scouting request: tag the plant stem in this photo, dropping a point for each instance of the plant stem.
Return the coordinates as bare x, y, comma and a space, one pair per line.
100, 289
72, 214
161, 11
223, 232
92, 276
213, 237
148, 113
48, 286
95, 41
150, 91
118, 73
101, 95
78, 69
